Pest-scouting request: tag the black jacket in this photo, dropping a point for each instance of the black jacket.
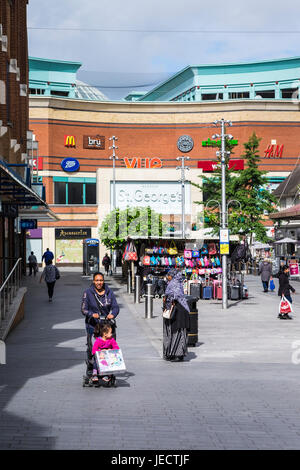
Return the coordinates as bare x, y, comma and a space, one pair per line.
284, 285
180, 318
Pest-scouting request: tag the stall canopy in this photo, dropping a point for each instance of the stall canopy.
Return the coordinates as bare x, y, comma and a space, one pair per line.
286, 240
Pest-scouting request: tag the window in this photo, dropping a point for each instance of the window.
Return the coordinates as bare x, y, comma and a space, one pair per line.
90, 193
75, 193
36, 91
288, 93
266, 93
60, 193
59, 93
208, 96
72, 192
237, 95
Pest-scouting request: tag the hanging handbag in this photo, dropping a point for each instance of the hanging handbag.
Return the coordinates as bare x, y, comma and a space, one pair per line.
130, 253
195, 254
204, 250
187, 254
146, 261
172, 249
212, 250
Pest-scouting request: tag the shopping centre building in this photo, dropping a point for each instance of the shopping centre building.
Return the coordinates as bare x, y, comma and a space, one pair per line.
73, 124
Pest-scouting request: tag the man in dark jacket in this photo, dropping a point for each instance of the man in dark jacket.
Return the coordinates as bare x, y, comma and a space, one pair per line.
98, 300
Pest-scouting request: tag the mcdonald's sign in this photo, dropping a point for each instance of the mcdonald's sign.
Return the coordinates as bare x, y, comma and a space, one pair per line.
70, 141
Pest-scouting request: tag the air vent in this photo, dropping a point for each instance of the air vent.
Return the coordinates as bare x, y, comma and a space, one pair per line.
23, 89
13, 66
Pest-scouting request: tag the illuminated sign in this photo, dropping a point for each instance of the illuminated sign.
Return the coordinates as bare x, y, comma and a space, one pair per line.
216, 143
213, 165
138, 162
37, 163
94, 142
70, 141
274, 151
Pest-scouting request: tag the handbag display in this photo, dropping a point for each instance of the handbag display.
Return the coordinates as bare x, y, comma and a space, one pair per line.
172, 248
187, 254
130, 253
146, 261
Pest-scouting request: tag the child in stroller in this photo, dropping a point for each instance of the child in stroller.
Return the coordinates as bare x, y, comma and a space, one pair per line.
103, 338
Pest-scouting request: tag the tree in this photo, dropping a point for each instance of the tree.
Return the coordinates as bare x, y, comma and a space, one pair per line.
250, 201
136, 222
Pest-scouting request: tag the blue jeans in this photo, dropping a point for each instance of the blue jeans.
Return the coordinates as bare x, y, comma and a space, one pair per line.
289, 298
265, 285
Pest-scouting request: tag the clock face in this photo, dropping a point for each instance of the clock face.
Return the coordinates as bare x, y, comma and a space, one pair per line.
185, 143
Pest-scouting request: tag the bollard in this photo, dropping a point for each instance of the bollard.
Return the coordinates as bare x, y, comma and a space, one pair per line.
148, 301
129, 287
137, 292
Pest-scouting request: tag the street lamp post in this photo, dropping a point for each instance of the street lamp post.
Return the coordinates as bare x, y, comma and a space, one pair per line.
114, 158
182, 181
224, 222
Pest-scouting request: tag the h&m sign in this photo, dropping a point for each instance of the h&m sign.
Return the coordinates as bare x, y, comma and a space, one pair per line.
143, 162
96, 142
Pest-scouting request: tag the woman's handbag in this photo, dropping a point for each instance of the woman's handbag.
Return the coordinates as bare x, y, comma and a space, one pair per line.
195, 254
168, 313
187, 254
130, 253
146, 261
212, 250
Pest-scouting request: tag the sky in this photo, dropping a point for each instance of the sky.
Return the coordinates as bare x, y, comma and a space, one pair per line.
139, 44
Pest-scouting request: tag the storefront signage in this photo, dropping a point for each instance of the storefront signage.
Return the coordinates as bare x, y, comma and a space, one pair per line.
94, 142
91, 242
28, 223
143, 162
294, 269
185, 143
70, 141
274, 151
72, 233
216, 143
70, 164
163, 197
37, 163
213, 165
34, 233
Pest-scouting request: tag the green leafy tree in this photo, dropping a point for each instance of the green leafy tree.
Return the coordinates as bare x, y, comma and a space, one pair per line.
136, 222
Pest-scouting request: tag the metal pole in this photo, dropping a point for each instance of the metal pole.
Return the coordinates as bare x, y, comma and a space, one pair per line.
137, 292
129, 281
223, 209
182, 181
114, 158
149, 301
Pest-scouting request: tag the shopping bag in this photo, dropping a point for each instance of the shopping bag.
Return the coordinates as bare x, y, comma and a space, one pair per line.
110, 361
272, 285
285, 306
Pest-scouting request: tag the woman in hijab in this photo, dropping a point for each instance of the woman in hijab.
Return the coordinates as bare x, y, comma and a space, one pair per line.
175, 337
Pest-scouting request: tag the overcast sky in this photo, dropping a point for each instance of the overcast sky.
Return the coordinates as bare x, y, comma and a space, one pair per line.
116, 59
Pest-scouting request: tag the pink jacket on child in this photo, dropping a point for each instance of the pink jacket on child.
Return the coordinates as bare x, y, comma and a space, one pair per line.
101, 344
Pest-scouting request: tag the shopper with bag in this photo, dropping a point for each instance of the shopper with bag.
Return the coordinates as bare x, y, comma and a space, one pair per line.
265, 271
176, 318
284, 291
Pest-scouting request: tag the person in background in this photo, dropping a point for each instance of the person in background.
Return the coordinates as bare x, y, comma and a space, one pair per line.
106, 262
51, 274
175, 336
47, 256
32, 263
284, 284
265, 271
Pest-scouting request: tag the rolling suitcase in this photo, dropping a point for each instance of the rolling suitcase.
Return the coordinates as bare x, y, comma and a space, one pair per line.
216, 284
207, 292
219, 293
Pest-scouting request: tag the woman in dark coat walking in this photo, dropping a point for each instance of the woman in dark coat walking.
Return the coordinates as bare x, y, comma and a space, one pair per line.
175, 336
265, 271
285, 287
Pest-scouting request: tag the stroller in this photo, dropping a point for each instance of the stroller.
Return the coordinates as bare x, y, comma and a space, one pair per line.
87, 378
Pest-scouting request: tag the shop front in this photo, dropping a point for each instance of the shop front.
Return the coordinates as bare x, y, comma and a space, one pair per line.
69, 245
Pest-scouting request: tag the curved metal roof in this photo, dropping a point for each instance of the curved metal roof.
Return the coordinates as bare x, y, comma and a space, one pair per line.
83, 91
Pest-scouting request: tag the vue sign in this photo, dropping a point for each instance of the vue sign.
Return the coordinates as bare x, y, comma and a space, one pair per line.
138, 162
70, 164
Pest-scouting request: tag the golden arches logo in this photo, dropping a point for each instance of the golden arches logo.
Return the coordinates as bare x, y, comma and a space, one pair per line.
70, 141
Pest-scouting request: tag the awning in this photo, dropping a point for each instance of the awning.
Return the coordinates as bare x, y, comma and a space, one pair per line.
13, 189
290, 213
41, 214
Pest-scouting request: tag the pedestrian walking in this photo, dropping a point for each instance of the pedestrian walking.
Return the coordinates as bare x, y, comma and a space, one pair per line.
106, 262
175, 336
47, 256
32, 264
98, 300
265, 271
50, 274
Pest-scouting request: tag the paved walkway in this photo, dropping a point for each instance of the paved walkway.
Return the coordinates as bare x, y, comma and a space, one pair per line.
238, 389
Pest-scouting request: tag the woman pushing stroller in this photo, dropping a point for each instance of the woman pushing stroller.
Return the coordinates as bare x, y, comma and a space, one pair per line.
99, 305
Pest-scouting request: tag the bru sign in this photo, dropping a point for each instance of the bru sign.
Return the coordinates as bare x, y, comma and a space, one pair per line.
94, 142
